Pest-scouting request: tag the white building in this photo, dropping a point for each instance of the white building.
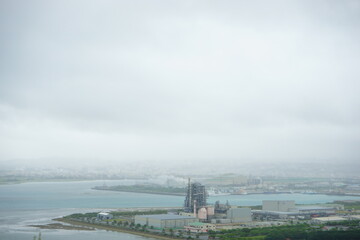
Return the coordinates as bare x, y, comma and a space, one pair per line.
278, 205
237, 215
164, 220
104, 216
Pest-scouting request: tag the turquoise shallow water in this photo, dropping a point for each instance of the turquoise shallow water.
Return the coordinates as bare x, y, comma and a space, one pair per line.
38, 203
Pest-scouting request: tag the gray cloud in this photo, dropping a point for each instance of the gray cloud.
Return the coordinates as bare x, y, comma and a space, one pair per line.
173, 80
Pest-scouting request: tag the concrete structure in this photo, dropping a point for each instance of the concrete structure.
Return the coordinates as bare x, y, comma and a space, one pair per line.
104, 216
300, 212
281, 206
237, 215
210, 210
165, 220
261, 214
202, 213
199, 227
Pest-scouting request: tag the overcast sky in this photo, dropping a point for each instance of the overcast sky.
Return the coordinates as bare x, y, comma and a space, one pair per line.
263, 81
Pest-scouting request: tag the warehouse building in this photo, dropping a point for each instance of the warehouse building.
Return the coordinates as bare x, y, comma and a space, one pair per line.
237, 215
300, 212
280, 206
165, 220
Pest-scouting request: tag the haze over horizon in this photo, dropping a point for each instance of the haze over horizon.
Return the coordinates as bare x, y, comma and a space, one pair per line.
88, 82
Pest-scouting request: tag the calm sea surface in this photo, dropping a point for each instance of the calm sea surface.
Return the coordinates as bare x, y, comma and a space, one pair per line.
37, 203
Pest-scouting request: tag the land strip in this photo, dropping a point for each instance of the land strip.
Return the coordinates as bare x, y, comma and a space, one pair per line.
62, 226
115, 229
149, 189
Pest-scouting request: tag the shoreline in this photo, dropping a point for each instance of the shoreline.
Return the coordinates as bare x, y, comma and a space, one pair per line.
145, 192
115, 229
264, 193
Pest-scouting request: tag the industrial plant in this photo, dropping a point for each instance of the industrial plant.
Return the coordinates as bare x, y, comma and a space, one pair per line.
197, 215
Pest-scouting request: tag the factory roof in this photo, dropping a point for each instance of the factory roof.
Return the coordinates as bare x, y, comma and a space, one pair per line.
307, 208
274, 212
104, 213
199, 224
330, 219
167, 216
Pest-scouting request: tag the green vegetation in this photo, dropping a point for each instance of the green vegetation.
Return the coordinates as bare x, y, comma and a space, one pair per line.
154, 189
257, 207
296, 232
349, 205
349, 230
351, 223
82, 215
117, 215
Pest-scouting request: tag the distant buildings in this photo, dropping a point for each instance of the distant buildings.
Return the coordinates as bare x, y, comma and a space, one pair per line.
165, 220
286, 209
104, 216
199, 227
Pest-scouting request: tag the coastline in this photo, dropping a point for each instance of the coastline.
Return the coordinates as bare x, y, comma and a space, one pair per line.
115, 229
146, 192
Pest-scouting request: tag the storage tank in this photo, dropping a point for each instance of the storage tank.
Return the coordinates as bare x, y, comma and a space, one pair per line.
202, 213
210, 211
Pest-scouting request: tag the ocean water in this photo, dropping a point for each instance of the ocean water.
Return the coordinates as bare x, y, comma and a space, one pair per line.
37, 203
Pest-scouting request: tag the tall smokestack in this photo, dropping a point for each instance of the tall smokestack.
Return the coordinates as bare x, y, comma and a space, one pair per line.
189, 187
194, 208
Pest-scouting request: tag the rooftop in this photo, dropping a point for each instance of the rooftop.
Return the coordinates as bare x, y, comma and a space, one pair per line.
330, 219
199, 224
166, 216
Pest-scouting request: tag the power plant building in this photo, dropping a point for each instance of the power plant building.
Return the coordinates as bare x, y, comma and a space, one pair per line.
165, 220
195, 197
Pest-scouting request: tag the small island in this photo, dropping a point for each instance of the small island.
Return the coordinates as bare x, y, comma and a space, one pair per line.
142, 188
